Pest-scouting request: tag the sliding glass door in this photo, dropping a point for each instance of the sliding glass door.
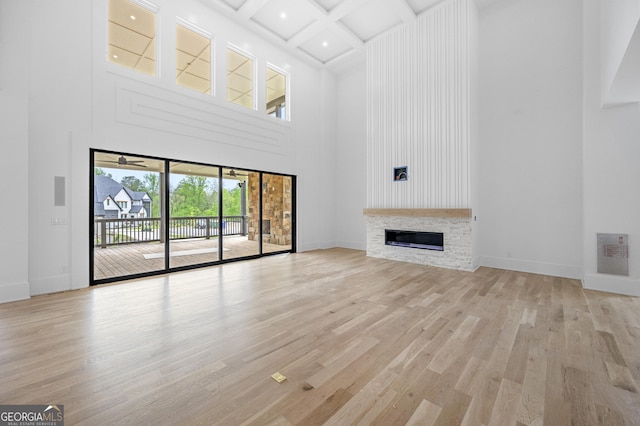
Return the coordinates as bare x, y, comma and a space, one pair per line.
127, 216
277, 203
152, 215
236, 211
193, 214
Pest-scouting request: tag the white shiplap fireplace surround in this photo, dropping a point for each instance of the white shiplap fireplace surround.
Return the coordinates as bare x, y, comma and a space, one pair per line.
455, 224
420, 80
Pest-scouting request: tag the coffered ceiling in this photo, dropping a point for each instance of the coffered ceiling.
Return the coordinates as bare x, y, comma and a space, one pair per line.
325, 32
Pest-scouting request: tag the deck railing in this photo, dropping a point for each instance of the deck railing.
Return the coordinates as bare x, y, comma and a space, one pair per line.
126, 231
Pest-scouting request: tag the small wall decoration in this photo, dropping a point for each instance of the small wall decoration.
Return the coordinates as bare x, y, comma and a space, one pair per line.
400, 173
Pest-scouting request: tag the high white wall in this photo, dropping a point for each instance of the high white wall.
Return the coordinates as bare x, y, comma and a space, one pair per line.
14, 143
350, 162
548, 178
611, 168
530, 137
620, 51
65, 98
59, 128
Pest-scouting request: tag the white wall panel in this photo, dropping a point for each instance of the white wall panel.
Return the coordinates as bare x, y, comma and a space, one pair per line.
611, 150
351, 163
14, 134
168, 111
418, 103
529, 151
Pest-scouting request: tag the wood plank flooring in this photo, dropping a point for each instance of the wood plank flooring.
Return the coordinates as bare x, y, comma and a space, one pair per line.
128, 259
360, 340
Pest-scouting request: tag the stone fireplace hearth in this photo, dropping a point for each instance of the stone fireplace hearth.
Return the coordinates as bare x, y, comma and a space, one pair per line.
455, 224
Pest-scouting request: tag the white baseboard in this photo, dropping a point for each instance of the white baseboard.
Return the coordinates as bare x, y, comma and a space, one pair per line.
352, 245
12, 292
79, 281
521, 265
52, 284
612, 284
317, 245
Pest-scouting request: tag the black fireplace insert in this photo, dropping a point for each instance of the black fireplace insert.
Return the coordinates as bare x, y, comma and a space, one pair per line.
415, 239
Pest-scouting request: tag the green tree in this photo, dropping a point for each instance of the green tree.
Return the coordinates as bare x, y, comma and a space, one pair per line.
192, 196
151, 185
212, 210
97, 171
231, 202
133, 183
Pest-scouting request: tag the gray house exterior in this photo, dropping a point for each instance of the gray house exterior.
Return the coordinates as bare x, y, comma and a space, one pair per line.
115, 201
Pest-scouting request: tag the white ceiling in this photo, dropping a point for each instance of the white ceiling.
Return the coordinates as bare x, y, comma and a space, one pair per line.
327, 33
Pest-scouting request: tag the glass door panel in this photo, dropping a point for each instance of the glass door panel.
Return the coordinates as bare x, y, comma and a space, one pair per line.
238, 208
127, 215
193, 214
277, 204
153, 215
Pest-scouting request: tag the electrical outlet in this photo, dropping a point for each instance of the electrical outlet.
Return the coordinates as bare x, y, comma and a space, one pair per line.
508, 254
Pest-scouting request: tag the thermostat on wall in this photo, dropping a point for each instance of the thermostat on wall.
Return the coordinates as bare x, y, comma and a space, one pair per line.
400, 173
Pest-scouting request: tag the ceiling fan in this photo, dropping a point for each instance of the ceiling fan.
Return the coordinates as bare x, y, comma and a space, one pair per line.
122, 161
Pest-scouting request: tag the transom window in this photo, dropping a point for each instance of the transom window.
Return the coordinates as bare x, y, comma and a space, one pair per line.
240, 80
132, 42
132, 36
276, 93
193, 59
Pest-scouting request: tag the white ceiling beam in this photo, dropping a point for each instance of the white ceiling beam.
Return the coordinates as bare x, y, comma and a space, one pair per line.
321, 22
250, 8
404, 11
318, 7
308, 33
345, 8
347, 35
330, 22
342, 57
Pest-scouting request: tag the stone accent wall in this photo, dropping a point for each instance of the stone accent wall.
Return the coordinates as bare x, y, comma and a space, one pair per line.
277, 204
457, 240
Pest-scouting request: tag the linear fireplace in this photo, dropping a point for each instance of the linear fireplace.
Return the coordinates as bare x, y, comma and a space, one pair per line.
414, 239
454, 224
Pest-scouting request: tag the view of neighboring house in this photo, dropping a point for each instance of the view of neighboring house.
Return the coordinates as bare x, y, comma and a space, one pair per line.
114, 200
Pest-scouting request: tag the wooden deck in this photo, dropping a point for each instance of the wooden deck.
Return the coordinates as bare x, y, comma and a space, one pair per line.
137, 258
360, 340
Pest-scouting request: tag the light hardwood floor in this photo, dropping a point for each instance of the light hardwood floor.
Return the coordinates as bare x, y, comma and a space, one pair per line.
360, 340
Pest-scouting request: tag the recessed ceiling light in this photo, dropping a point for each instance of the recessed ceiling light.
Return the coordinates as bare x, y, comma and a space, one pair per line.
133, 18
325, 43
283, 15
115, 56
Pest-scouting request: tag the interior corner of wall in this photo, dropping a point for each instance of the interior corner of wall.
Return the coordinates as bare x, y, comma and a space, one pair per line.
12, 292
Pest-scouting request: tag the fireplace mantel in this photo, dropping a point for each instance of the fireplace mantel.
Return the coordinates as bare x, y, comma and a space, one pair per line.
453, 213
